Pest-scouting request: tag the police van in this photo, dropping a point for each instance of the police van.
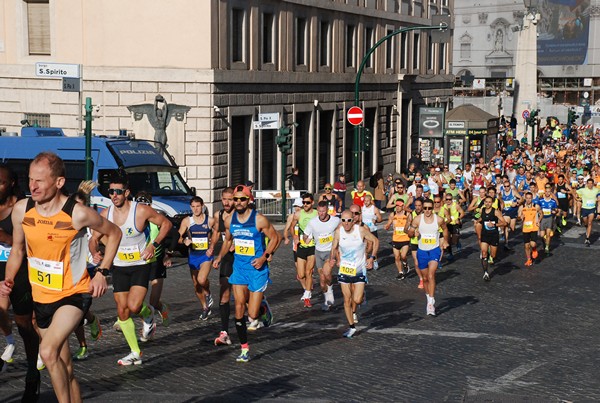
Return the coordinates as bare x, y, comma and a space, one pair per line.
148, 165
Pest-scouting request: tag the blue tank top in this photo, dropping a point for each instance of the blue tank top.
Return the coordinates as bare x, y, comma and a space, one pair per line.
510, 201
200, 235
248, 240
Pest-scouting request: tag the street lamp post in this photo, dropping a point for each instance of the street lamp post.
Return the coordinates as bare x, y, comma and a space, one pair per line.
441, 23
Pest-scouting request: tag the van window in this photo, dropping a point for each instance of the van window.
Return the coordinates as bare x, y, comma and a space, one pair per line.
75, 173
158, 181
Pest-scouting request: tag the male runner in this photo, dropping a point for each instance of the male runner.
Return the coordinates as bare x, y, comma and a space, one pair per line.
491, 220
453, 214
511, 199
358, 194
321, 229
427, 227
194, 233
414, 241
589, 197
247, 230
399, 219
53, 229
531, 215
305, 253
334, 203
131, 270
549, 207
348, 249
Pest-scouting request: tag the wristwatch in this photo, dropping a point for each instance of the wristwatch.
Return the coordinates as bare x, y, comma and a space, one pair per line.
155, 244
268, 255
105, 272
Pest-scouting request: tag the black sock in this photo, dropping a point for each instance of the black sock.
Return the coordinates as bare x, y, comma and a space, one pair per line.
352, 326
240, 326
32, 345
225, 310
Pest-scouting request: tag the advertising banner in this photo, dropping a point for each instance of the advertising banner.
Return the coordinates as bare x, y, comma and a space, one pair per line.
431, 122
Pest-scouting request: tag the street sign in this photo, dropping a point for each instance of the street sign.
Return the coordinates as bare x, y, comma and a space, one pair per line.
71, 84
265, 125
57, 70
268, 117
355, 116
525, 114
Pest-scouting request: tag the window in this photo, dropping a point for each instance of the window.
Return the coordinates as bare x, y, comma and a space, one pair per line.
465, 50
350, 46
368, 45
238, 35
404, 50
38, 27
441, 57
416, 51
389, 50
431, 55
268, 38
301, 39
324, 44
39, 119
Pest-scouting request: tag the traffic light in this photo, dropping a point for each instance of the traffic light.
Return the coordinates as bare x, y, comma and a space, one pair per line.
365, 139
532, 120
573, 116
284, 139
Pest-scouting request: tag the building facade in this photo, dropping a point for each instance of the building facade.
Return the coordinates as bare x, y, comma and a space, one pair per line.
225, 62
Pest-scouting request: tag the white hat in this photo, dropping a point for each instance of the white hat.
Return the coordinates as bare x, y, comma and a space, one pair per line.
297, 202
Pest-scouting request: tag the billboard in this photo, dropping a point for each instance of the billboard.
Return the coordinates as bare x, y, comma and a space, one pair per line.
563, 32
431, 122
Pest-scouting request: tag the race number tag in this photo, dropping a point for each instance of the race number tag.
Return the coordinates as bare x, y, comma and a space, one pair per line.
244, 247
508, 204
200, 243
428, 239
590, 204
129, 253
347, 268
561, 195
399, 230
46, 273
489, 225
4, 253
547, 211
331, 210
528, 224
325, 239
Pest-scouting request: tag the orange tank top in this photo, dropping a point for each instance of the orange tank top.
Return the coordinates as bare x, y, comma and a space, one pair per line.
56, 254
399, 228
530, 219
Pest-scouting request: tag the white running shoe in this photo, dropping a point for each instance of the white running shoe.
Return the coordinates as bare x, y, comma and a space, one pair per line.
7, 356
254, 324
350, 332
131, 359
116, 326
40, 364
148, 331
329, 299
430, 309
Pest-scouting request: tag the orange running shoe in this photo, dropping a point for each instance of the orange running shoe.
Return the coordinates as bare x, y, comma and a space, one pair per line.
420, 286
529, 263
534, 253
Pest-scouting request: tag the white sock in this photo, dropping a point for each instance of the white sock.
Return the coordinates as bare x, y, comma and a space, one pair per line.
309, 294
329, 289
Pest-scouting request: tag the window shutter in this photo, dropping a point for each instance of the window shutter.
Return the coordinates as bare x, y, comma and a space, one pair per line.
38, 24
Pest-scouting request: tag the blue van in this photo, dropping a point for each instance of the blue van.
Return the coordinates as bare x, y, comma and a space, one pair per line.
148, 166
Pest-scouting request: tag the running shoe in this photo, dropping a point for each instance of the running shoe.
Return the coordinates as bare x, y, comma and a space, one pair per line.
254, 324
354, 317
430, 309
420, 286
307, 303
95, 329
325, 307
558, 229
529, 263
547, 250
148, 331
40, 364
266, 316
132, 359
205, 313
164, 314
81, 354
223, 339
564, 221
490, 260
329, 298
486, 276
587, 242
534, 253
400, 276
116, 326
579, 222
350, 332
458, 246
209, 300
9, 350
244, 356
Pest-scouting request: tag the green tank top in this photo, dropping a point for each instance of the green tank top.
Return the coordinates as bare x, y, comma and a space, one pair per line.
415, 239
154, 230
302, 224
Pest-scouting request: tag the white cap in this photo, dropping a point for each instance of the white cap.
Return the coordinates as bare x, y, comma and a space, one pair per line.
297, 202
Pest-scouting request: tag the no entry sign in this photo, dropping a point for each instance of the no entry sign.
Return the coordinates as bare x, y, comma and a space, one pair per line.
355, 116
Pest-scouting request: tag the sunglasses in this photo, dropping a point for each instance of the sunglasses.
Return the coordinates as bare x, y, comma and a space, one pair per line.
119, 192
347, 220
327, 188
449, 199
306, 202
356, 212
242, 199
427, 208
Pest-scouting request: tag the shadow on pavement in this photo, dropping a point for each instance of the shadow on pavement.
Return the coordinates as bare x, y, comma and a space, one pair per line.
455, 302
269, 389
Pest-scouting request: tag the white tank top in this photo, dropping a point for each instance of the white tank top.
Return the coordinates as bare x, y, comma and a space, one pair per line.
369, 217
430, 233
133, 241
352, 252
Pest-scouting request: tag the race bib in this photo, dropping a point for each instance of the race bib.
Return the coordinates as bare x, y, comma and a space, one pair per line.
325, 239
489, 225
331, 210
590, 204
476, 187
129, 253
347, 268
399, 230
244, 247
562, 195
547, 211
428, 239
528, 224
4, 253
200, 243
508, 204
46, 273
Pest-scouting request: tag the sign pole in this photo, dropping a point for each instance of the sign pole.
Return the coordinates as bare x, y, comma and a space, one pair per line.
88, 138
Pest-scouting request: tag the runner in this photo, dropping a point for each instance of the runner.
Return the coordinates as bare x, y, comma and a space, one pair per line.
131, 270
358, 194
475, 207
531, 216
414, 241
453, 214
247, 230
589, 196
398, 194
194, 233
321, 229
292, 231
306, 250
226, 266
549, 208
371, 215
52, 226
510, 211
349, 250
20, 297
491, 220
427, 227
399, 220
334, 204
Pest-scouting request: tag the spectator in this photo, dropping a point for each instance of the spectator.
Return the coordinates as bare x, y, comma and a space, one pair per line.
296, 181
339, 188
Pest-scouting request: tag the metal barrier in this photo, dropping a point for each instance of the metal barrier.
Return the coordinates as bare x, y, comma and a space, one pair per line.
268, 202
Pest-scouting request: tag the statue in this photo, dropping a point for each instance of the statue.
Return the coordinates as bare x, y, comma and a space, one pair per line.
499, 43
159, 115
